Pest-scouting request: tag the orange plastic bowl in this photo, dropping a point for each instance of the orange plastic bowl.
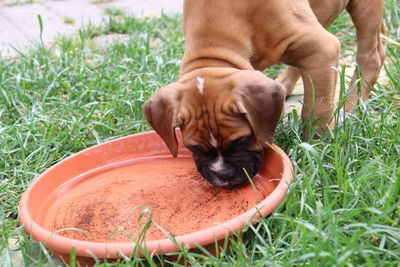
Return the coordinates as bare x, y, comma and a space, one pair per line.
97, 190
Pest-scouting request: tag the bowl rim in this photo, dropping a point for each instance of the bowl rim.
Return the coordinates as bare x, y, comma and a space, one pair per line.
162, 246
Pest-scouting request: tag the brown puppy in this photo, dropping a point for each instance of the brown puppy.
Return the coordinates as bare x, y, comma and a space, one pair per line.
226, 108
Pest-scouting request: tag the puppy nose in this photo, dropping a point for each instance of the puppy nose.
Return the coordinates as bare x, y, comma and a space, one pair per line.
226, 172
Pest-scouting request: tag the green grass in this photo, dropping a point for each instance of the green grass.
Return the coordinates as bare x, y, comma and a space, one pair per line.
342, 208
20, 2
68, 20
101, 1
113, 11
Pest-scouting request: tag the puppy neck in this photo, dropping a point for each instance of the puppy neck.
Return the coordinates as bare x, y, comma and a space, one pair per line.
213, 58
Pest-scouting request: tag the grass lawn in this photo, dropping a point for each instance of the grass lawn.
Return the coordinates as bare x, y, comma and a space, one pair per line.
342, 208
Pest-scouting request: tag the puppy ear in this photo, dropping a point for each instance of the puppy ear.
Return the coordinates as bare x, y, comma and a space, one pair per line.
160, 112
261, 100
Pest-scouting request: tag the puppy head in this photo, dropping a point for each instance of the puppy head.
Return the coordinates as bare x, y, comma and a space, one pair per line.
225, 117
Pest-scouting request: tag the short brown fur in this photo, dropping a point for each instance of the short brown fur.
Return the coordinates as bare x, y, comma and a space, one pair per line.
228, 43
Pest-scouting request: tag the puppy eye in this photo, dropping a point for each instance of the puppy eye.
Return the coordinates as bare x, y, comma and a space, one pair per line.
242, 141
238, 144
204, 152
196, 149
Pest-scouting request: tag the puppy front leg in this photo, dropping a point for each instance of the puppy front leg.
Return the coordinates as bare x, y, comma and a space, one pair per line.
315, 59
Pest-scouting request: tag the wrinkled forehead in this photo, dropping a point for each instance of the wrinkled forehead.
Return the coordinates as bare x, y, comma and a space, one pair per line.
208, 124
207, 137
207, 114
